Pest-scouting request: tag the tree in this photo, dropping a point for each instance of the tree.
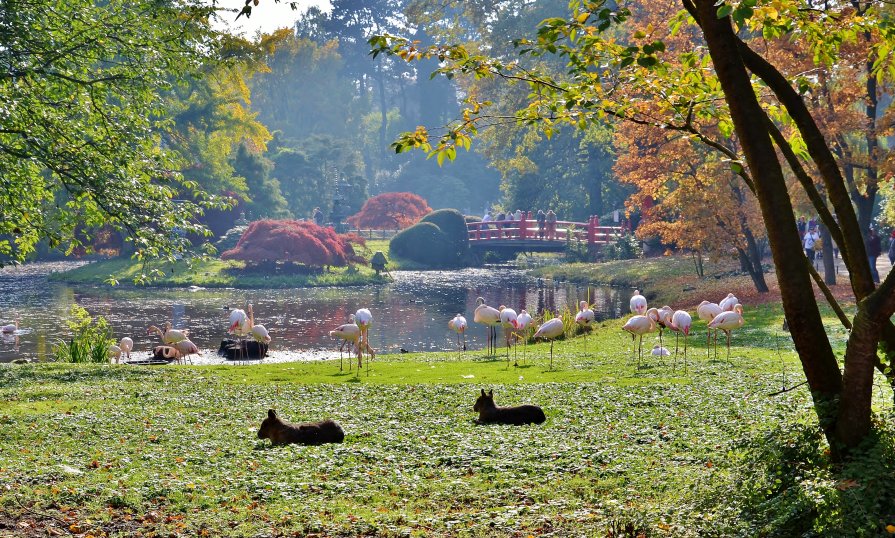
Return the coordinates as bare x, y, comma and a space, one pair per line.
390, 210
758, 102
83, 88
266, 198
271, 241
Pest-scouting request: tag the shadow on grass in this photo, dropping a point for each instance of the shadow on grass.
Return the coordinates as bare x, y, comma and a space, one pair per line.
26, 374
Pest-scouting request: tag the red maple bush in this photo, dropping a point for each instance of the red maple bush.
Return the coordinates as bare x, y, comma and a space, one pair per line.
292, 241
390, 210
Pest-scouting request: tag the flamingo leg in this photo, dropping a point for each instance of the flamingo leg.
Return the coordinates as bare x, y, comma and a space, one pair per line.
639, 351
551, 354
728, 347
685, 352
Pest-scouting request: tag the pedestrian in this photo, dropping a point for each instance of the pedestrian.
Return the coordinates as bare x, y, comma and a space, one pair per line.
542, 223
318, 216
551, 224
802, 226
874, 249
811, 236
500, 220
510, 224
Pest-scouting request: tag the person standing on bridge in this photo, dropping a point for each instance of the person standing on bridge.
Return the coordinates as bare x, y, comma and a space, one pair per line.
542, 223
551, 224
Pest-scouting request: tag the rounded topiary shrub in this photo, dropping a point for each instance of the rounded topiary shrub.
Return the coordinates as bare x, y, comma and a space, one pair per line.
424, 243
452, 224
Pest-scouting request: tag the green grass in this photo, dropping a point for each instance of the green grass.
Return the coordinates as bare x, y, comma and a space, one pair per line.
663, 280
212, 273
173, 450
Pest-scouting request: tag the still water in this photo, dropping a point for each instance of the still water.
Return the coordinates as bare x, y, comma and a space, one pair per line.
410, 313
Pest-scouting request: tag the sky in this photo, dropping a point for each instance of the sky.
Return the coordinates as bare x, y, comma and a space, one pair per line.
267, 16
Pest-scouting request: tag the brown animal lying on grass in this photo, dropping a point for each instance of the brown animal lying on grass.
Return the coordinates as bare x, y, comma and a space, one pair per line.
491, 414
281, 432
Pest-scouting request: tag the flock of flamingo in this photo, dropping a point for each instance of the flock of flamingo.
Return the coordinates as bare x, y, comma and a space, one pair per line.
724, 316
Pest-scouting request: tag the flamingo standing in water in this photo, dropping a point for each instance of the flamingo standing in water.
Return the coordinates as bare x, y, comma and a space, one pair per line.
638, 303
489, 316
126, 345
508, 322
707, 312
364, 320
258, 332
458, 325
584, 318
680, 323
640, 325
523, 322
728, 321
169, 336
550, 331
185, 348
349, 332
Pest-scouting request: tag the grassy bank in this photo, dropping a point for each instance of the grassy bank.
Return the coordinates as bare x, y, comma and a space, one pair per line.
663, 280
117, 451
212, 273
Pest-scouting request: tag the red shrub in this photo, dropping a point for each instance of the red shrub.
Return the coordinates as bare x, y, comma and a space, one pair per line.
391, 210
292, 241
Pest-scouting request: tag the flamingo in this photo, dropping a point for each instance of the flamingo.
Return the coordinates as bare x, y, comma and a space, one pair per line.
523, 322
126, 345
487, 315
640, 325
680, 323
166, 352
10, 327
728, 321
364, 320
348, 332
584, 318
550, 330
185, 348
258, 332
169, 335
728, 303
458, 325
114, 353
508, 322
659, 351
663, 319
638, 303
707, 312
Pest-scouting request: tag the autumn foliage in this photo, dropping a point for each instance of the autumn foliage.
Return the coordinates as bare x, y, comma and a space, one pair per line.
292, 241
391, 210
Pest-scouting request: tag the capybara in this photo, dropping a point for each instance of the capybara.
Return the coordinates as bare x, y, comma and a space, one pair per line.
491, 414
281, 432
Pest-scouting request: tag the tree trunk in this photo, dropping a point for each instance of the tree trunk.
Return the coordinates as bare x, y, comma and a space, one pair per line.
829, 261
815, 352
754, 257
757, 274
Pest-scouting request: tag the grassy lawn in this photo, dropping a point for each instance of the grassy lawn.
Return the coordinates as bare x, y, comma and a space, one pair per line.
172, 451
212, 273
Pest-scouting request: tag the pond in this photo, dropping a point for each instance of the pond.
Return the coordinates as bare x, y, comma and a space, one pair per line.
410, 313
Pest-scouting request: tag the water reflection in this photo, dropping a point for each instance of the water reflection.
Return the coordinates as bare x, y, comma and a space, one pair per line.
411, 312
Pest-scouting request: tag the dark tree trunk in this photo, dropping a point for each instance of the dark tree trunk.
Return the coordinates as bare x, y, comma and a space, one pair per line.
815, 352
829, 261
754, 257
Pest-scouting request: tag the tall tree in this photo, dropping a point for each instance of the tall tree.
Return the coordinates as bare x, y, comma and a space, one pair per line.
83, 85
757, 95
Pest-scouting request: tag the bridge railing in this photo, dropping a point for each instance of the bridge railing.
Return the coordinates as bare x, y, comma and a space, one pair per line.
527, 229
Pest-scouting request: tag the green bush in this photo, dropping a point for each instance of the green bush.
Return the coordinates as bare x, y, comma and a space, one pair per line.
90, 340
786, 485
626, 247
438, 240
230, 238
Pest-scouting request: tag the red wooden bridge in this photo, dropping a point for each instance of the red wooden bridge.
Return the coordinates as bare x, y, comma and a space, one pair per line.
525, 236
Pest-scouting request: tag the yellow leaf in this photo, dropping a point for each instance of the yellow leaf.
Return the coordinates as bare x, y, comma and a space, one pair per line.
890, 529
